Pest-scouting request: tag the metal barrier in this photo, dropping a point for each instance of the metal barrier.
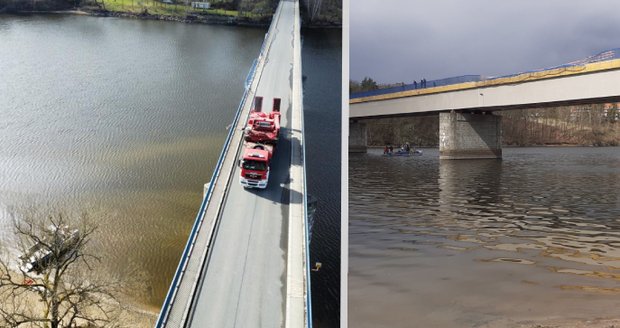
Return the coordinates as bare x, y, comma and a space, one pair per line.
305, 198
414, 86
161, 320
307, 225
602, 56
180, 269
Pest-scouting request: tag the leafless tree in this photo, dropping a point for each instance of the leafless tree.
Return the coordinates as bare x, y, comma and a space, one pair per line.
314, 8
54, 283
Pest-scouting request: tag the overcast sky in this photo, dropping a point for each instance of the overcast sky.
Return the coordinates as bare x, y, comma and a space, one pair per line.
406, 40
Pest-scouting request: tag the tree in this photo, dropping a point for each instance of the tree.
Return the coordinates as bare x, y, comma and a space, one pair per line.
354, 86
368, 84
314, 8
55, 284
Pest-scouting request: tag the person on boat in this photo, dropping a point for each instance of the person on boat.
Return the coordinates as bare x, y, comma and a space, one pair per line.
391, 149
407, 147
386, 150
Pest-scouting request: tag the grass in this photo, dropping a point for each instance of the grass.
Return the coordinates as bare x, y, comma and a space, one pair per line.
157, 8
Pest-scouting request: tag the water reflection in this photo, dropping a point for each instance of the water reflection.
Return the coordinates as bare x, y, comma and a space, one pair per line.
543, 225
128, 130
471, 195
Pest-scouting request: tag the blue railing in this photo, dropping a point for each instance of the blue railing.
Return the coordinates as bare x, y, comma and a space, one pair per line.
163, 315
306, 223
181, 267
307, 234
602, 56
178, 274
417, 85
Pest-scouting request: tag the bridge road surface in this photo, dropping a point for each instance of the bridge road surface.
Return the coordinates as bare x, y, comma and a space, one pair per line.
244, 284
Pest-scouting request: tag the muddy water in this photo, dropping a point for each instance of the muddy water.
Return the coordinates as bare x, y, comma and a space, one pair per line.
123, 120
532, 238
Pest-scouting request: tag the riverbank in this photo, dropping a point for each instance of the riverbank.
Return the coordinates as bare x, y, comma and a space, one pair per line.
225, 18
561, 323
171, 13
129, 315
190, 18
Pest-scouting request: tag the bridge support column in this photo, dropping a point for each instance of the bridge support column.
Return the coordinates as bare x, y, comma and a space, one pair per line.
470, 136
358, 141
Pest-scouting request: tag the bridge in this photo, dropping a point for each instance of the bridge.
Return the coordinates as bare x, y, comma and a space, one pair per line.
246, 260
467, 126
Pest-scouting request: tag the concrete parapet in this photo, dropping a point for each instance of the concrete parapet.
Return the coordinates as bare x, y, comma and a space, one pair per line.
358, 141
470, 135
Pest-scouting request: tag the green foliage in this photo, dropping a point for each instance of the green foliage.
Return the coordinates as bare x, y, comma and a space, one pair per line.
179, 9
368, 84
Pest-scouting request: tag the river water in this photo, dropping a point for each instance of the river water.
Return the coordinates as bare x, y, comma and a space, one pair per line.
322, 118
470, 243
123, 120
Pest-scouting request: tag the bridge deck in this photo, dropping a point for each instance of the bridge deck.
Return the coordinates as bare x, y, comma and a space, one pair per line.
519, 78
588, 84
239, 273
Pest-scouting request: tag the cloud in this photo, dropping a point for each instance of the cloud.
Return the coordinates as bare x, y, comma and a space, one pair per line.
406, 40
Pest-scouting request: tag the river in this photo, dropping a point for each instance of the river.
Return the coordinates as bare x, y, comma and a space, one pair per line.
122, 120
522, 241
322, 116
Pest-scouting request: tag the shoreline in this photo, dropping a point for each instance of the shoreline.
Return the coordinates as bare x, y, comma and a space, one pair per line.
132, 313
513, 146
188, 19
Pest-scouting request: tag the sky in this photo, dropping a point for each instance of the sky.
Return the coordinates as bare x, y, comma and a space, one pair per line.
405, 40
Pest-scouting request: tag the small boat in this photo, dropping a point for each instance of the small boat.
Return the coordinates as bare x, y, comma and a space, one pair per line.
402, 152
57, 244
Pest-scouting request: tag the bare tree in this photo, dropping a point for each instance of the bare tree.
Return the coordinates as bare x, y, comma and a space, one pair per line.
314, 8
53, 284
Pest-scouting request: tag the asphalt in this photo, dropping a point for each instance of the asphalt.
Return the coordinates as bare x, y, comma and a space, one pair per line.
244, 284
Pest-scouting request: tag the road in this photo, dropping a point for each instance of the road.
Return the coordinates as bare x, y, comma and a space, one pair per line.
244, 284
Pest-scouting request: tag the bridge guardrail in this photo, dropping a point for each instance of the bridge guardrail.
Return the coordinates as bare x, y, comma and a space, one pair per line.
306, 225
305, 187
602, 56
186, 252
163, 314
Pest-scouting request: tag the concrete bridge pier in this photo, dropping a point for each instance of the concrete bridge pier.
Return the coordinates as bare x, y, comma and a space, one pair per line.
358, 138
470, 135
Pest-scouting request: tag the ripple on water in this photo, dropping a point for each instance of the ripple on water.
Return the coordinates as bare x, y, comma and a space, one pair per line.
491, 223
128, 131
